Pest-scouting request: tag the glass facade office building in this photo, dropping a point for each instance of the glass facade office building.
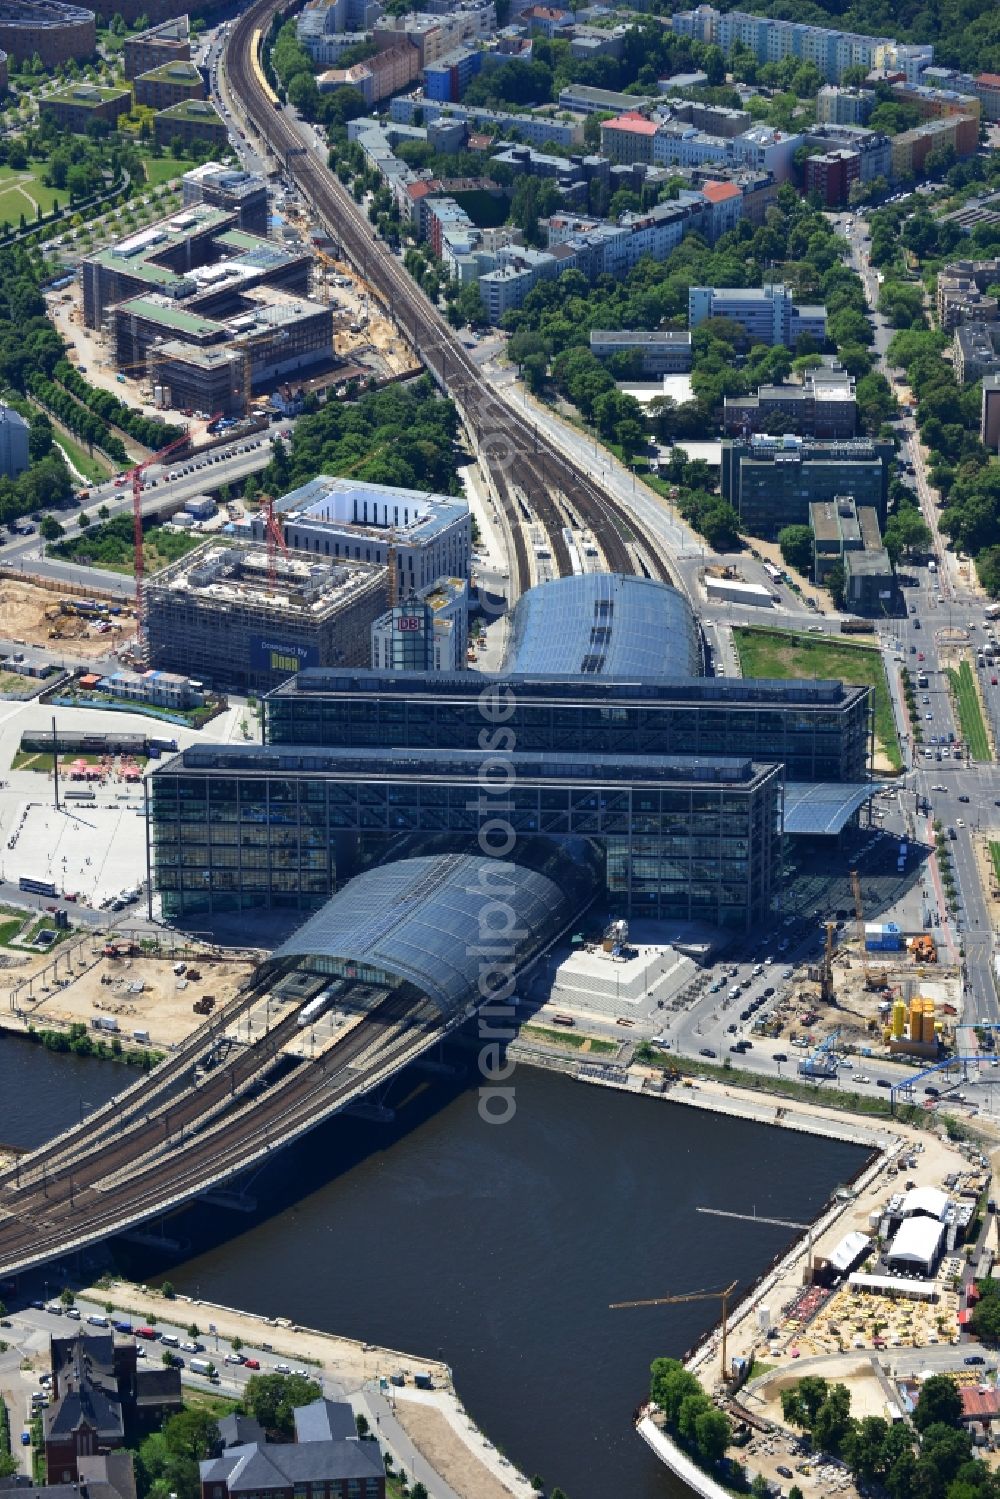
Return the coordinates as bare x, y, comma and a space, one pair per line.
676, 780
233, 827
819, 731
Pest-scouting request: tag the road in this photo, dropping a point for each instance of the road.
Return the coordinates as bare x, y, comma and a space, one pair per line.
228, 465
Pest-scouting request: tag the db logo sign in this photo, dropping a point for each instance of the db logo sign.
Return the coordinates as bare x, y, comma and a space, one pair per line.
408, 622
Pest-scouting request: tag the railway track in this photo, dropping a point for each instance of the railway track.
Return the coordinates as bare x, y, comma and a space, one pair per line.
532, 478
148, 1170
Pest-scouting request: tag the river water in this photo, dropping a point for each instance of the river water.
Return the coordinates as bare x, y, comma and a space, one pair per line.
499, 1247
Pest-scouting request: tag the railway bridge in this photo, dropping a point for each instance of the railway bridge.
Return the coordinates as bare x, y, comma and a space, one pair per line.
404, 954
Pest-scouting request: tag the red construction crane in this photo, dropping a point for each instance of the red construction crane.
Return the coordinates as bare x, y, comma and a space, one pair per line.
135, 475
274, 540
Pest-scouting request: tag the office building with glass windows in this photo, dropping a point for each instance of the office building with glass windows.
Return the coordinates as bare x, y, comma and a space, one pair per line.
600, 727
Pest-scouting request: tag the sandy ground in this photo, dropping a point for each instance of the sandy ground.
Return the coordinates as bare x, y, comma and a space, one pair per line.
163, 1008
343, 1359
22, 618
430, 1432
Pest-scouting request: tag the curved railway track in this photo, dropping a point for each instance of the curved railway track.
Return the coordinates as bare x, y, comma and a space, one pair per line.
532, 478
149, 1170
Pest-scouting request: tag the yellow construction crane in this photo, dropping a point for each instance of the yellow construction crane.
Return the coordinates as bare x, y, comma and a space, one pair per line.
619, 1306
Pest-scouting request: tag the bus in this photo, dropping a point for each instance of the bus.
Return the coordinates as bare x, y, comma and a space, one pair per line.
37, 887
79, 796
774, 573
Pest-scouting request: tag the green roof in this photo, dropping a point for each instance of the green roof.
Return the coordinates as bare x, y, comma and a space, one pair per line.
87, 96
171, 316
199, 110
239, 239
177, 71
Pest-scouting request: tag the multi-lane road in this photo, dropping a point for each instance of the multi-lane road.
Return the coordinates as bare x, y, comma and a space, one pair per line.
195, 475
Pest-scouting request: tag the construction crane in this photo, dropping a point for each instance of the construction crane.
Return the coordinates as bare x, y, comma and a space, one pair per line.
135, 477
826, 971
771, 1222
275, 539
821, 1062
859, 926
619, 1306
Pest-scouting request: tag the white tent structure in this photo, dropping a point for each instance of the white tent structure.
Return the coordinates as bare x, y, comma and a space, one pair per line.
917, 1245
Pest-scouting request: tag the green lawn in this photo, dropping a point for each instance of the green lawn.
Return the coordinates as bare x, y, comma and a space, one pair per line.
95, 468
780, 653
569, 1038
995, 856
165, 168
21, 192
970, 714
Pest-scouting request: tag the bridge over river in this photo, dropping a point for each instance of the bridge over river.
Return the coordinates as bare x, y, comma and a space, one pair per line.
376, 978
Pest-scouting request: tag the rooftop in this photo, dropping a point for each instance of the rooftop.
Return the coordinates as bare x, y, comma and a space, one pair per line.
203, 111
86, 95
236, 573
415, 514
178, 72
601, 624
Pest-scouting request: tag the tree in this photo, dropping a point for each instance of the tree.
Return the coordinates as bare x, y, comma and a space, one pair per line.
271, 1398
836, 583
906, 532
50, 529
833, 1420
66, 1296
194, 1331
167, 1290
713, 1434
945, 1448
361, 1422
236, 1342
796, 543
939, 1402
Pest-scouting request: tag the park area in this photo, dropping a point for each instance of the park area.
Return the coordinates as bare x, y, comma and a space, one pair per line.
782, 653
23, 192
111, 546
970, 713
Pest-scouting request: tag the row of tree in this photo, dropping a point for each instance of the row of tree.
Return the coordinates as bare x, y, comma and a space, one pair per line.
105, 405
77, 419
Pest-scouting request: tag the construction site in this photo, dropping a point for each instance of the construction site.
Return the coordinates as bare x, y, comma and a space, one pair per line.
119, 987
85, 629
246, 615
874, 992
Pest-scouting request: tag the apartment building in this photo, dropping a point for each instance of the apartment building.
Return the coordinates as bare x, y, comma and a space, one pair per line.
767, 314
77, 107
830, 50
961, 288
831, 176
836, 105
172, 83
168, 42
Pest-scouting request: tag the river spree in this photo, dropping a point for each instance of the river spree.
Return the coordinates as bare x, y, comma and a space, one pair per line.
495, 1247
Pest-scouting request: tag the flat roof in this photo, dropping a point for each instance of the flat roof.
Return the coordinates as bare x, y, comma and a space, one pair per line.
86, 95
464, 765
735, 693
170, 314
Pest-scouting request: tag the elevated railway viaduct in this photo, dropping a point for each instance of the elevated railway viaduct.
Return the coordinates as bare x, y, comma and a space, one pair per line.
531, 478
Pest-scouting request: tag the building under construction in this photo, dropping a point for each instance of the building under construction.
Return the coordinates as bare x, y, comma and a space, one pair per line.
237, 616
251, 340
194, 258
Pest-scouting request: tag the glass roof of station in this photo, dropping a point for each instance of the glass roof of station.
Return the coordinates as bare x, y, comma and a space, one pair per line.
822, 808
413, 918
602, 624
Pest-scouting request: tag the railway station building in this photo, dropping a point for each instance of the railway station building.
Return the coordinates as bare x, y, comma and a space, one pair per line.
683, 786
